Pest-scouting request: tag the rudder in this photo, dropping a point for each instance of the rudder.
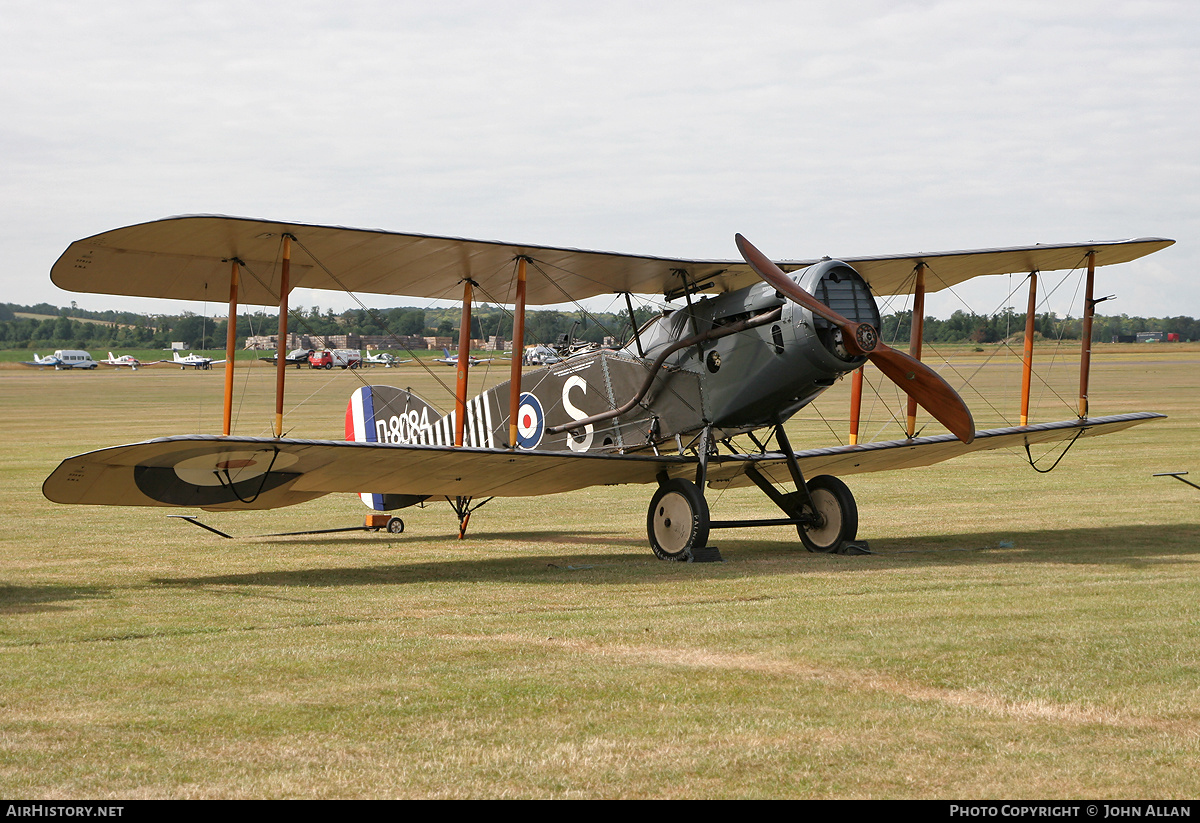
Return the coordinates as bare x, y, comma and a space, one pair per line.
383, 414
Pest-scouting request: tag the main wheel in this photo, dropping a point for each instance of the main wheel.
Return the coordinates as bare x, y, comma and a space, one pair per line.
677, 520
838, 512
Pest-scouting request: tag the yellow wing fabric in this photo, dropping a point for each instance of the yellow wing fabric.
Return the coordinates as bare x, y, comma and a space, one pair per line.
204, 471
208, 472
730, 472
188, 258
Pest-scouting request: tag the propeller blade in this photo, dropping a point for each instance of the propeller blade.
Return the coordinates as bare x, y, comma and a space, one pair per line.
765, 268
919, 381
928, 388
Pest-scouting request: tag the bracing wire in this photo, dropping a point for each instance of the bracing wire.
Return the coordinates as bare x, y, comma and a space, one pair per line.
374, 316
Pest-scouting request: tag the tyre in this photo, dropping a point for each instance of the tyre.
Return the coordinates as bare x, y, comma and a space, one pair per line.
395, 526
838, 512
677, 520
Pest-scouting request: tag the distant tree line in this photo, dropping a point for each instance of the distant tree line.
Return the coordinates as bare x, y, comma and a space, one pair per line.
74, 328
967, 327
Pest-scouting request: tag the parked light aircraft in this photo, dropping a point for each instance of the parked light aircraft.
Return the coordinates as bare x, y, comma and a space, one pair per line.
683, 406
385, 359
297, 356
123, 360
452, 359
541, 355
38, 360
196, 361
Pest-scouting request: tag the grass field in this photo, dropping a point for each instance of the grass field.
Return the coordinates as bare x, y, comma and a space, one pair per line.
1016, 635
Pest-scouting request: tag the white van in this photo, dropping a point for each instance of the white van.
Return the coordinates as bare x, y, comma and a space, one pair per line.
71, 359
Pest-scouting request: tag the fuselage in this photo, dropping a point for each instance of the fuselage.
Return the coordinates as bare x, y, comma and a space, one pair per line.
752, 378
737, 382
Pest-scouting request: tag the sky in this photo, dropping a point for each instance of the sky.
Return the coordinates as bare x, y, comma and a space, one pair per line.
839, 128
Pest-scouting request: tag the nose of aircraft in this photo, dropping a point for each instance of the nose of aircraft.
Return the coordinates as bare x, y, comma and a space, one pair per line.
919, 381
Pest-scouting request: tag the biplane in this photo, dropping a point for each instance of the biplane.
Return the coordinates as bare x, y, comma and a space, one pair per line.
696, 400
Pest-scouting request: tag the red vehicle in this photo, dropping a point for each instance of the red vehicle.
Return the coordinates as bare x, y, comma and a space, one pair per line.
327, 359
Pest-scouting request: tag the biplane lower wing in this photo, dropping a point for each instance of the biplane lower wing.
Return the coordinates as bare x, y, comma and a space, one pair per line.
841, 461
212, 472
229, 473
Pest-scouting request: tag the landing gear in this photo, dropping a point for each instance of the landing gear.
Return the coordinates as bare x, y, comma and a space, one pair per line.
837, 513
463, 506
677, 521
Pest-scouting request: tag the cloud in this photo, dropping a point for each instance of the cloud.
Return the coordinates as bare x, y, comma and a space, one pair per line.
658, 128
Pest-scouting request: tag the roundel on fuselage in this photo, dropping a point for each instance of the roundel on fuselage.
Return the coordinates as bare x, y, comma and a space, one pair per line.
531, 422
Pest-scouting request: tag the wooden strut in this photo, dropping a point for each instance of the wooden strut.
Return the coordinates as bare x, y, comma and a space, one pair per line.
281, 353
1027, 369
856, 387
518, 352
1085, 360
463, 508
916, 335
230, 344
464, 363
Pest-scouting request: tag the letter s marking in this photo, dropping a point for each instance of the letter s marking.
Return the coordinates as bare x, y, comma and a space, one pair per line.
577, 414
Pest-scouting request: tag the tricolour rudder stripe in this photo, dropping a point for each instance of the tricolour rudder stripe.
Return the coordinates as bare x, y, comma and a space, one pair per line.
360, 427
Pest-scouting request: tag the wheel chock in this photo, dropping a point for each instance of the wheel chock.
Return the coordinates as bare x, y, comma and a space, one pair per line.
708, 554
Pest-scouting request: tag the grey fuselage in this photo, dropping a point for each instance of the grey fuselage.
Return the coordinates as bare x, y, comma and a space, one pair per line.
736, 383
750, 379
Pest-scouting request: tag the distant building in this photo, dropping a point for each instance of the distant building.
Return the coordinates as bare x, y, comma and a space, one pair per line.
383, 342
335, 341
263, 342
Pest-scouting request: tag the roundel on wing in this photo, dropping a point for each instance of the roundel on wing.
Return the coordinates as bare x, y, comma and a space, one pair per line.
531, 422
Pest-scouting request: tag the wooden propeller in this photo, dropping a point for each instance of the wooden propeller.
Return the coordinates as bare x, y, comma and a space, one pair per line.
919, 381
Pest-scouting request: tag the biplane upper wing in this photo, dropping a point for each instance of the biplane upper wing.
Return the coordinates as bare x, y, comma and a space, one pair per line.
209, 472
189, 257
